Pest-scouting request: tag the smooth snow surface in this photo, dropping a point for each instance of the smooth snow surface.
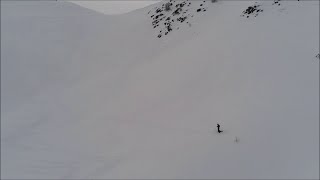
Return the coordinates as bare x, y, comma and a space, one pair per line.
86, 95
114, 7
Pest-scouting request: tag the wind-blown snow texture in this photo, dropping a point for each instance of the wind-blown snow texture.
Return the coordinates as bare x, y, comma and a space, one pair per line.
86, 95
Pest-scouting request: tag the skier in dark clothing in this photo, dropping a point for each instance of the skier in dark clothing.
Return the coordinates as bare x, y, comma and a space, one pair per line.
218, 126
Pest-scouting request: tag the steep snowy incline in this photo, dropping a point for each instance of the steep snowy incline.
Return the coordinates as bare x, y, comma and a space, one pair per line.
51, 49
85, 95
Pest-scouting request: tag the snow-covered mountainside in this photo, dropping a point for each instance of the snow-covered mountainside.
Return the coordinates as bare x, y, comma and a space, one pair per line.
86, 95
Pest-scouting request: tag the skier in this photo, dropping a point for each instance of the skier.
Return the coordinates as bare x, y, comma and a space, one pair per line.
218, 126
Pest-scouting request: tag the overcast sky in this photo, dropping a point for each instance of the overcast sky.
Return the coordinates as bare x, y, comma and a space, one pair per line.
114, 7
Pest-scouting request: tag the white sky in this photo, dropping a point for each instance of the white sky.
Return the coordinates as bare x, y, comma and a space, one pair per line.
114, 7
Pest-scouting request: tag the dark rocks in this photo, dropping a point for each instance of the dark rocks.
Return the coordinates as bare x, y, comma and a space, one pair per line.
276, 2
177, 11
252, 10
158, 10
181, 19
166, 20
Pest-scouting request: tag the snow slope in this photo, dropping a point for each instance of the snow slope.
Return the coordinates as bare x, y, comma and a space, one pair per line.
86, 95
114, 7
